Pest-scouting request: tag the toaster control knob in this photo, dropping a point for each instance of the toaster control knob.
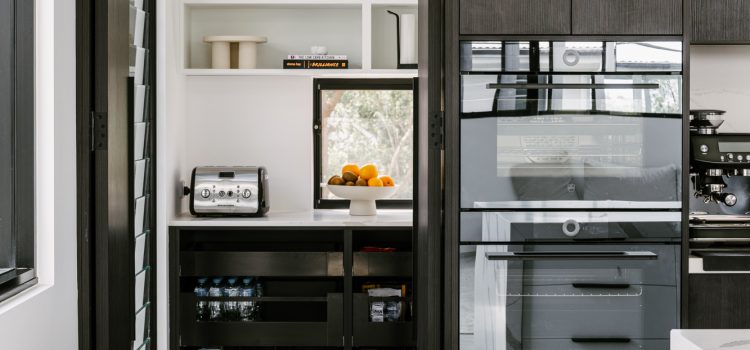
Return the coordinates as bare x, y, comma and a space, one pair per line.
205, 193
221, 193
230, 194
246, 194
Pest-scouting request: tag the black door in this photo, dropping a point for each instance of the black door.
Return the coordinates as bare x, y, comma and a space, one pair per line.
115, 141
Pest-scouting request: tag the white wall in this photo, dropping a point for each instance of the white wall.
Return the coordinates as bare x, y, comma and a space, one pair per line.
46, 316
720, 79
240, 120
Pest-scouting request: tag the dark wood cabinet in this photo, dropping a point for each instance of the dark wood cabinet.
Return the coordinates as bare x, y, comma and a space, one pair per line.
515, 17
720, 21
627, 17
718, 301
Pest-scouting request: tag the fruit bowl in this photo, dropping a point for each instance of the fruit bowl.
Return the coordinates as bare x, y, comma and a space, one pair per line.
362, 197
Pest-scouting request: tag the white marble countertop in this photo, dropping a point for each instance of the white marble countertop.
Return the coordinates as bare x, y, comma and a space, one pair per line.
710, 339
313, 218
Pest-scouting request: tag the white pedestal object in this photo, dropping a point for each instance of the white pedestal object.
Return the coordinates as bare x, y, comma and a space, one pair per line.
362, 198
222, 50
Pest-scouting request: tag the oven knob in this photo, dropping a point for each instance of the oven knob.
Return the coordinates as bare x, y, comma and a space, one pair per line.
246, 194
704, 148
571, 228
221, 193
730, 156
721, 158
739, 157
205, 193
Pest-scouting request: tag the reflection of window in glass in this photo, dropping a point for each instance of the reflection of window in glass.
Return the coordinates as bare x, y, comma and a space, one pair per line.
367, 121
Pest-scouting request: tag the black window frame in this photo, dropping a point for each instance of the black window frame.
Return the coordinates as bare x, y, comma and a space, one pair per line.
320, 84
17, 110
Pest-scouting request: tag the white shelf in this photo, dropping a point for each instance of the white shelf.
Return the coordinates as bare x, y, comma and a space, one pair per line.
303, 72
360, 29
296, 2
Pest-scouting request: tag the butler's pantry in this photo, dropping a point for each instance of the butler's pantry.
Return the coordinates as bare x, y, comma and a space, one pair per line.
374, 174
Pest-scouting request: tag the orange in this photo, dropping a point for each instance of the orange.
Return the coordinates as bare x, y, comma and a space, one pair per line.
387, 181
374, 182
354, 168
368, 171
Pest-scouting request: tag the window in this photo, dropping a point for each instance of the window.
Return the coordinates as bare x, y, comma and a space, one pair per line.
16, 147
364, 121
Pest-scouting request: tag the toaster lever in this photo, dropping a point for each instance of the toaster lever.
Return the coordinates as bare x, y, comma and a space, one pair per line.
185, 191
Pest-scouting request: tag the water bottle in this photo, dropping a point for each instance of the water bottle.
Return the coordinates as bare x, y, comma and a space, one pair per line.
231, 310
258, 293
247, 313
215, 306
201, 306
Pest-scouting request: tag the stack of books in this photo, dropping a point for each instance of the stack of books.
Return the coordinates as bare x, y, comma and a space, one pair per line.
316, 62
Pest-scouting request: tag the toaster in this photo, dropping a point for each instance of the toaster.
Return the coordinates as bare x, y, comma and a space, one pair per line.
229, 191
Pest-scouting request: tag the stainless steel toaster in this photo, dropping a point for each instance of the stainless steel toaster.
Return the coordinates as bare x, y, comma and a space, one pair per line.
229, 191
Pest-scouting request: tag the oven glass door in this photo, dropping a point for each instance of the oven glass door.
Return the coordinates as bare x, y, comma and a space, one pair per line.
562, 141
574, 296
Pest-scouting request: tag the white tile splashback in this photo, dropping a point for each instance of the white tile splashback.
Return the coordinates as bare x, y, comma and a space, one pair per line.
720, 79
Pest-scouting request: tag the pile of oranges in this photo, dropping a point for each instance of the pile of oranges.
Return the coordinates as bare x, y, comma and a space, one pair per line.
367, 175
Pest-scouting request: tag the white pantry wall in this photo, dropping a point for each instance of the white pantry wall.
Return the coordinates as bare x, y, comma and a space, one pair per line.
46, 316
254, 120
720, 79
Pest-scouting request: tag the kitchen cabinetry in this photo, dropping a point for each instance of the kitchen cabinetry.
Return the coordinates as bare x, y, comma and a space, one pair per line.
577, 17
313, 282
719, 301
627, 17
515, 16
720, 21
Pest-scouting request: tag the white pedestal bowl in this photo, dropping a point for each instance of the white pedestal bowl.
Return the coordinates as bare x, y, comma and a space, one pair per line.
362, 198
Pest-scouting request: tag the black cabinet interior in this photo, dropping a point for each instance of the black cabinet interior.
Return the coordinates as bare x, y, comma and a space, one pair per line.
314, 282
720, 21
627, 17
719, 301
515, 17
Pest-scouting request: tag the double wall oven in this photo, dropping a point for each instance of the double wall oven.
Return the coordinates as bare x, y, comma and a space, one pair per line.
570, 199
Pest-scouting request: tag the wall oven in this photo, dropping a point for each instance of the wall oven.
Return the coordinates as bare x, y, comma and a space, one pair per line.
570, 199
571, 124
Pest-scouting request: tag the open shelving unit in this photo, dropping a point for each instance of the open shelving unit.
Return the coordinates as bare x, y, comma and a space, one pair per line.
312, 281
360, 29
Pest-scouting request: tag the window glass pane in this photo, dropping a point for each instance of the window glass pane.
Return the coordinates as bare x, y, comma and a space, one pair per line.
368, 126
6, 136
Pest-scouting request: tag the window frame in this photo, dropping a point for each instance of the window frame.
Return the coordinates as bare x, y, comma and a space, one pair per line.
22, 156
320, 84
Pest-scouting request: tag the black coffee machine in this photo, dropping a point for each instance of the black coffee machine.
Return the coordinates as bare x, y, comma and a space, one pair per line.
719, 166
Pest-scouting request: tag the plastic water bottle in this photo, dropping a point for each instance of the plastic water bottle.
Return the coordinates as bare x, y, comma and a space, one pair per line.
247, 313
258, 293
201, 306
231, 310
215, 306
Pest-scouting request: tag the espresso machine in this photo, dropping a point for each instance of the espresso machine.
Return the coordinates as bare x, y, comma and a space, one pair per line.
719, 224
716, 160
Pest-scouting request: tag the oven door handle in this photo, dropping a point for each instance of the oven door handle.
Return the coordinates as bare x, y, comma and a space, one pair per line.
571, 86
585, 285
600, 340
645, 255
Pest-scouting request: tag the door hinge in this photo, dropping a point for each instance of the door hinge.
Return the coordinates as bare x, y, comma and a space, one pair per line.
99, 131
436, 130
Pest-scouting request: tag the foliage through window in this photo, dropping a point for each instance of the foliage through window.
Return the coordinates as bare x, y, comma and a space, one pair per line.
365, 121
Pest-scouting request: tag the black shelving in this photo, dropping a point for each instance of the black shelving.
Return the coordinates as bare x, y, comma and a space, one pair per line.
312, 280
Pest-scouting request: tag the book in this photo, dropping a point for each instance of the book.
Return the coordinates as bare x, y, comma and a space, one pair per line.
316, 57
316, 64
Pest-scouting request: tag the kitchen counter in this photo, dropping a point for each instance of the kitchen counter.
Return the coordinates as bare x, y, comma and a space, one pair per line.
709, 339
314, 218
